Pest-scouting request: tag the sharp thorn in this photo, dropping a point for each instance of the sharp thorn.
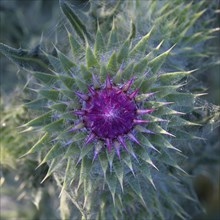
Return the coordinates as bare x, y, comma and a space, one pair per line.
79, 112
91, 90
82, 96
77, 126
98, 148
108, 143
117, 149
133, 138
144, 111
167, 133
121, 140
78, 161
133, 94
127, 85
144, 130
95, 156
118, 92
143, 97
108, 84
89, 138
140, 121
95, 81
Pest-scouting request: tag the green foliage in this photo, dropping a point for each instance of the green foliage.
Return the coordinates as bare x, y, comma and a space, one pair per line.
147, 181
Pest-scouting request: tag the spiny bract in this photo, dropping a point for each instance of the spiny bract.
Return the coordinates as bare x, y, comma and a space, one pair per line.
115, 90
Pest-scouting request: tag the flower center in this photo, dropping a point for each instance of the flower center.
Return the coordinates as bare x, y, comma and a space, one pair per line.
110, 112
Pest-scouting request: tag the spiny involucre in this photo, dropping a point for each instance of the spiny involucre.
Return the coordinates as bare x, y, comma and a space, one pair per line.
113, 106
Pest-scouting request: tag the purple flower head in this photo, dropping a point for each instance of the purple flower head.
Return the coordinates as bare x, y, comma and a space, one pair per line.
110, 113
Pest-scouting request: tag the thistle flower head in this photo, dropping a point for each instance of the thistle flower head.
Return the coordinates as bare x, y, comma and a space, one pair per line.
109, 113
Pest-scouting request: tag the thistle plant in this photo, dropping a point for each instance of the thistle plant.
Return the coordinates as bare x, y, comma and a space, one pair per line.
114, 107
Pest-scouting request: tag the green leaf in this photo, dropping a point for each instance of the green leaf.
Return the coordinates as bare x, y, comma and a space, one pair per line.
73, 149
173, 77
162, 142
112, 40
90, 58
29, 60
111, 182
182, 99
80, 83
66, 63
143, 97
130, 148
50, 94
162, 91
135, 186
68, 93
110, 156
141, 65
144, 82
155, 104
54, 152
103, 73
126, 158
76, 23
46, 78
84, 170
85, 150
87, 75
142, 153
75, 46
99, 43
158, 130
119, 171
40, 121
37, 104
167, 111
67, 81
104, 162
54, 164
118, 76
132, 32
190, 23
145, 171
112, 63
140, 47
55, 126
68, 115
69, 174
143, 139
185, 136
56, 64
176, 121
60, 107
88, 187
166, 158
158, 61
152, 118
128, 71
123, 52
39, 145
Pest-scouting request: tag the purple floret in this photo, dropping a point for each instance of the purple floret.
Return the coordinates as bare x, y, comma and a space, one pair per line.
109, 113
